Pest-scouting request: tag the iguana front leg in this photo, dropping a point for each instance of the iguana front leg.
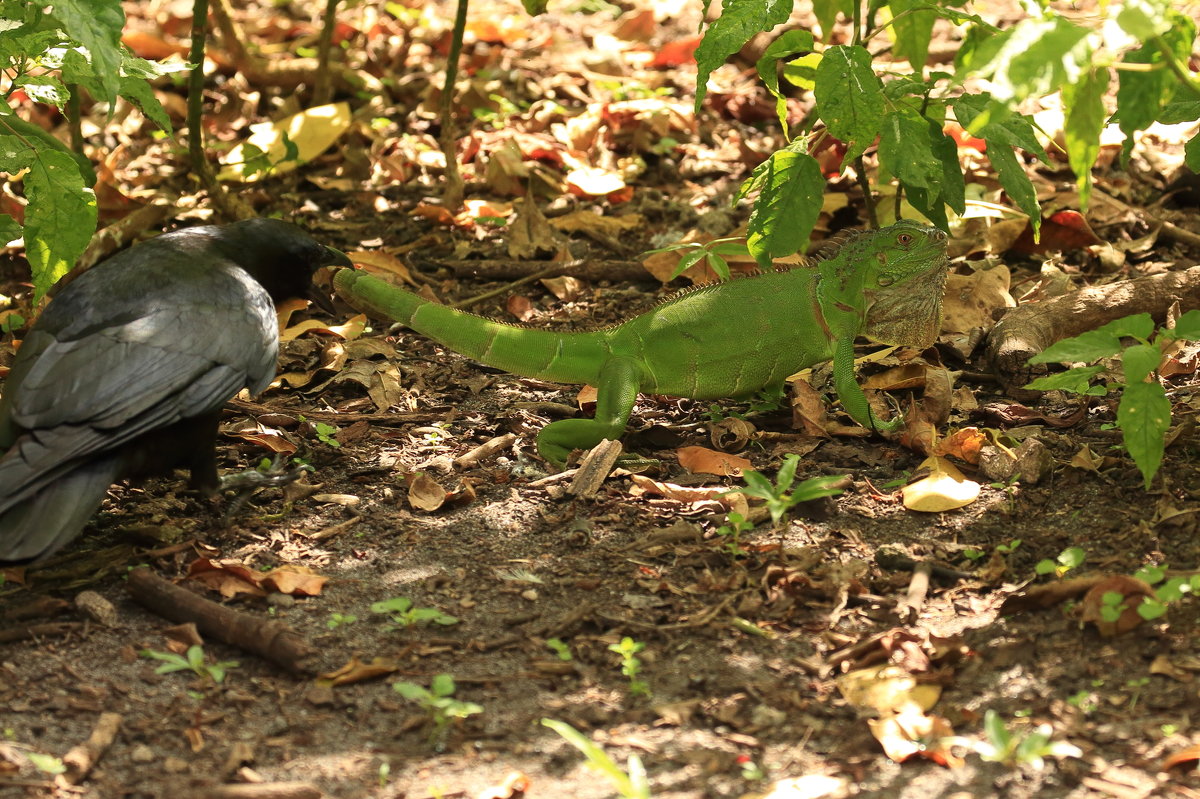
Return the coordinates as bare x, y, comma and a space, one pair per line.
617, 390
851, 393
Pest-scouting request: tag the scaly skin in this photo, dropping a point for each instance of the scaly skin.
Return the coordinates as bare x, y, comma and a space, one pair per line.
722, 340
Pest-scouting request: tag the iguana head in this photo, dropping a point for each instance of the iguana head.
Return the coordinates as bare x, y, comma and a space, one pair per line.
905, 275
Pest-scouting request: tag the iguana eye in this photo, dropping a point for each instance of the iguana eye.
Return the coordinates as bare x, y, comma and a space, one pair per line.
904, 238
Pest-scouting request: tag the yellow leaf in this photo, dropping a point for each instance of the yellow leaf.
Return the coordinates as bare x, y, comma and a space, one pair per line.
312, 131
945, 488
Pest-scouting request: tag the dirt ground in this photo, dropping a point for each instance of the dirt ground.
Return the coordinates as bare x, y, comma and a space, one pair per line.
759, 670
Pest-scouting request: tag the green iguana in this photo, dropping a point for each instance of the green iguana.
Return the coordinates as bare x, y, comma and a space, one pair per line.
728, 339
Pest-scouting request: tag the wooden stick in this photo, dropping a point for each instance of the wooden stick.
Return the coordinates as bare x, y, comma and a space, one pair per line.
80, 760
269, 639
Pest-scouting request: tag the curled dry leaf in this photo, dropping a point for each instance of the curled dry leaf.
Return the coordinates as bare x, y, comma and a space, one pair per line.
945, 488
1183, 757
382, 265
360, 671
963, 444
424, 493
911, 733
702, 460
887, 689
731, 434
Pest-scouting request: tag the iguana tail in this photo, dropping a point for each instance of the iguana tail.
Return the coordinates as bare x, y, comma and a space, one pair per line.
546, 355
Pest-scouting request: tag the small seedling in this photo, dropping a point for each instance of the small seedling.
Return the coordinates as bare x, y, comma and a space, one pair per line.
192, 661
731, 533
631, 667
1085, 700
751, 771
1009, 548
560, 648
973, 554
438, 700
776, 495
1030, 749
11, 322
47, 764
336, 620
1136, 685
385, 773
1009, 487
1070, 558
630, 783
401, 611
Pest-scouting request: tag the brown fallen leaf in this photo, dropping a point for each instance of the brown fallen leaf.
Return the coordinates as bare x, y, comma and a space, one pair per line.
360, 671
424, 493
702, 460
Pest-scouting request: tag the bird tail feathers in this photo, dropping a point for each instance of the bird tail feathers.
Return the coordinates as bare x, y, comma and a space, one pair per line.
55, 513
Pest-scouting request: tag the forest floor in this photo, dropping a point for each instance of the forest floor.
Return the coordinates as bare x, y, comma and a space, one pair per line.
801, 660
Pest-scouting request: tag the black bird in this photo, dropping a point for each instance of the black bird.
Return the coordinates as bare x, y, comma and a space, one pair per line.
126, 371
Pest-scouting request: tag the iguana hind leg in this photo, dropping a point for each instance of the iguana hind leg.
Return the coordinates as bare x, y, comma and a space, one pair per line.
619, 380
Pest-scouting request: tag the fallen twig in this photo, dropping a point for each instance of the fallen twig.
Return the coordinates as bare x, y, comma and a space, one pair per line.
82, 758
269, 639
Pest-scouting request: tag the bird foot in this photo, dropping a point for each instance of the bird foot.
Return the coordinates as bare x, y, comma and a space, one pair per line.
248, 482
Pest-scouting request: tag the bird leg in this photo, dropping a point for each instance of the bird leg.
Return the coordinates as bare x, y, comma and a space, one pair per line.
247, 482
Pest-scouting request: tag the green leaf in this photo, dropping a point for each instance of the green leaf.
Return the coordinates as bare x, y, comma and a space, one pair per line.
535, 7
442, 685
410, 690
1099, 343
1141, 95
1086, 117
905, 149
1144, 19
793, 41
1180, 111
9, 229
850, 97
1191, 153
1144, 416
1140, 361
96, 24
138, 92
739, 22
1077, 380
912, 30
992, 121
787, 472
1037, 57
802, 72
1016, 183
44, 89
59, 220
787, 206
27, 141
1187, 327
827, 12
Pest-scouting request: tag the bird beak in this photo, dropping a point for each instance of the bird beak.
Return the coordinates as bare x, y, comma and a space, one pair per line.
337, 258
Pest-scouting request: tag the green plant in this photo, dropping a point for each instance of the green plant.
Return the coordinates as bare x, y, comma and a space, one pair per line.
401, 611
1136, 685
1085, 700
1009, 548
731, 533
1009, 487
560, 649
1029, 749
48, 52
1144, 412
712, 253
336, 620
902, 113
193, 661
1069, 558
630, 783
973, 554
1151, 608
631, 667
776, 495
47, 764
325, 434
438, 700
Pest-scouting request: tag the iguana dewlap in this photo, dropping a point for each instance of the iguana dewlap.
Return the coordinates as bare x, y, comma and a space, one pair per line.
729, 339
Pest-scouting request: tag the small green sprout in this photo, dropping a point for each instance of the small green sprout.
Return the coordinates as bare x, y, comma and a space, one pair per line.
631, 666
336, 620
401, 611
1070, 558
560, 649
47, 764
776, 495
192, 661
438, 700
1030, 749
731, 533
